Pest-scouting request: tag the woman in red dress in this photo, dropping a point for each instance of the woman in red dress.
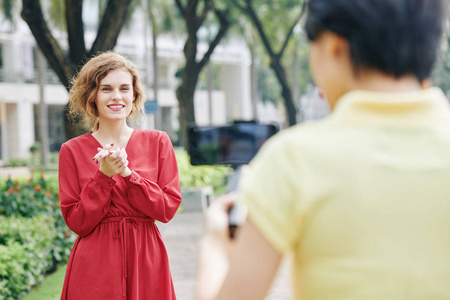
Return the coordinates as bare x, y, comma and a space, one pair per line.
114, 184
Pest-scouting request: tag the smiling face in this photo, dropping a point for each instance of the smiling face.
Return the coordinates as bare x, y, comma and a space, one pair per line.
115, 95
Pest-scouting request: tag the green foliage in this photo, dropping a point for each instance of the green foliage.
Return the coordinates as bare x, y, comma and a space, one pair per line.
17, 162
269, 89
165, 17
198, 176
26, 247
57, 14
299, 48
13, 278
267, 26
27, 199
33, 162
38, 196
8, 9
277, 17
441, 73
35, 147
31, 223
215, 77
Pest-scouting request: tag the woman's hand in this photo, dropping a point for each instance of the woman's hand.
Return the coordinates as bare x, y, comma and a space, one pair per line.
217, 228
113, 161
216, 221
215, 248
242, 268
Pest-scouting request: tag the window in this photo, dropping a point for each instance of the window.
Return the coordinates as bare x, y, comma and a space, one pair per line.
1, 56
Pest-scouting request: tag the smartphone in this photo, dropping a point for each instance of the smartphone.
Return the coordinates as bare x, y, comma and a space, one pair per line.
236, 218
234, 144
237, 214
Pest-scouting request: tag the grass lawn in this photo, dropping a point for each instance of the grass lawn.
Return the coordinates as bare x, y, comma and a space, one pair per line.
50, 288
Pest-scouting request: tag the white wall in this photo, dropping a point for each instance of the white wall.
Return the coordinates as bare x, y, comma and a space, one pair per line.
235, 82
203, 115
20, 124
28, 92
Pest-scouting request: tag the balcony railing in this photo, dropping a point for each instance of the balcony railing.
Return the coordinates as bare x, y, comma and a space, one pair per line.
51, 78
18, 77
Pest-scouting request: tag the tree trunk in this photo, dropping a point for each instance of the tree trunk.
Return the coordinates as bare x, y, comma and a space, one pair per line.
158, 117
185, 92
110, 26
296, 80
254, 82
185, 95
275, 58
291, 110
43, 113
63, 67
75, 30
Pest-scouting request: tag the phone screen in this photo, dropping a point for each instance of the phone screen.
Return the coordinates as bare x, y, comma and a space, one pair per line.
235, 144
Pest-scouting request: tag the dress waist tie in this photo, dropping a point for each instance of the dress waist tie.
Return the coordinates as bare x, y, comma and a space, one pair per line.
122, 232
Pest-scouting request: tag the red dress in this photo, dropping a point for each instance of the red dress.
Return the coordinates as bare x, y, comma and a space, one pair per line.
119, 253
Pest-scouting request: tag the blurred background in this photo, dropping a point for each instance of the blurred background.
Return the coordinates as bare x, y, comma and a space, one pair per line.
205, 61
209, 61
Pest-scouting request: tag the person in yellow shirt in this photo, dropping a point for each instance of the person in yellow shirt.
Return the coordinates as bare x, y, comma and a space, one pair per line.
361, 199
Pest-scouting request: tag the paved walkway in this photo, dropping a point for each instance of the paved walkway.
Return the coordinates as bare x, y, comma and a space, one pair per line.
181, 236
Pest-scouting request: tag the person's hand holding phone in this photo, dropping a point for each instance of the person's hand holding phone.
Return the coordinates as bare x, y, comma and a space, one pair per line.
222, 220
216, 219
215, 246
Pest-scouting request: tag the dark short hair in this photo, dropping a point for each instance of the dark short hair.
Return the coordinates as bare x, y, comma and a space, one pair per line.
397, 37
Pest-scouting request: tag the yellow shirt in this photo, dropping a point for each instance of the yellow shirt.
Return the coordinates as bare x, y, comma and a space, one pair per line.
360, 199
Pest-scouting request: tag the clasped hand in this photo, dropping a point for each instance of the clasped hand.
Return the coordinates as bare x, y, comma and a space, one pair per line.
113, 161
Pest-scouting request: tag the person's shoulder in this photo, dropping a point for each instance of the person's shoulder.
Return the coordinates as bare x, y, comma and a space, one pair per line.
293, 140
301, 133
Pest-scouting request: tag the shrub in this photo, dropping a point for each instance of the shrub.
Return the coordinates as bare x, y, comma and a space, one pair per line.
17, 162
38, 195
13, 277
26, 253
27, 199
34, 161
198, 176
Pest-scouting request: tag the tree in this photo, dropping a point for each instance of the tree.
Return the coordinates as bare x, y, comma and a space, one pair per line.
7, 8
66, 64
265, 84
269, 20
441, 74
194, 13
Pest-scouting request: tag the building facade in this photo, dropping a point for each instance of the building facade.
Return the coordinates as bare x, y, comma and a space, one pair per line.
226, 99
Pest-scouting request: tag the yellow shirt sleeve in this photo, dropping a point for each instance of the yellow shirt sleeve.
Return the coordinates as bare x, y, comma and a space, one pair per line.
270, 191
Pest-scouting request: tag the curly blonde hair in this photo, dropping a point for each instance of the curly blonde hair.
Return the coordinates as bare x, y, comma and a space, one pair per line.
85, 84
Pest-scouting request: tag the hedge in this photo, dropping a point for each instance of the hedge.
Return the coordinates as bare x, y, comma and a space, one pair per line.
199, 176
33, 235
26, 253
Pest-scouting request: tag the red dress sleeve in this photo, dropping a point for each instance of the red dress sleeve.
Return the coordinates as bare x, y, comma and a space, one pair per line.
159, 200
82, 207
